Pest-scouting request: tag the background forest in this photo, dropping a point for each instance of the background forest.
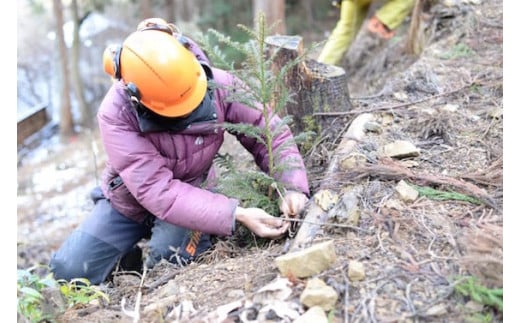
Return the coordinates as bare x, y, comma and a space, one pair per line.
62, 68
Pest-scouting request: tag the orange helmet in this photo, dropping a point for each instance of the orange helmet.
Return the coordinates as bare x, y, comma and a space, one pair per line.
164, 75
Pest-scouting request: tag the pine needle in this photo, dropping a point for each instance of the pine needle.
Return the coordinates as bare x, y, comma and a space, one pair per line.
444, 195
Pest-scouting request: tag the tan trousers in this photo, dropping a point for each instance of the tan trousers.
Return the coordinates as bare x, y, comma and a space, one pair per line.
353, 13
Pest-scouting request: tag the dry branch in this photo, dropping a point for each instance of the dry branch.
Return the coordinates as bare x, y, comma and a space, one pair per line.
389, 169
492, 176
315, 215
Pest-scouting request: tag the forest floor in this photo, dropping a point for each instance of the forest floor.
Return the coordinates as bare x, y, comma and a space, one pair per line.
447, 102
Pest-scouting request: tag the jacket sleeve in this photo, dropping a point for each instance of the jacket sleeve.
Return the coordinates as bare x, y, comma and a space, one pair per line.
144, 172
294, 175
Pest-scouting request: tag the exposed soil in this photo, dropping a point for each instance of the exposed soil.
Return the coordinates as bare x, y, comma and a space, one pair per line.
447, 101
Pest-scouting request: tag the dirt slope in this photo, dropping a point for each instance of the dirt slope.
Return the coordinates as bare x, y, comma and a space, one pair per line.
447, 102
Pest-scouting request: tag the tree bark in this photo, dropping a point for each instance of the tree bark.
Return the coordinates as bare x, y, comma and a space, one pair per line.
415, 38
315, 87
169, 6
66, 121
274, 12
146, 9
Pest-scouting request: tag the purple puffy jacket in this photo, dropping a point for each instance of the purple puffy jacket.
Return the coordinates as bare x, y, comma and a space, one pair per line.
162, 172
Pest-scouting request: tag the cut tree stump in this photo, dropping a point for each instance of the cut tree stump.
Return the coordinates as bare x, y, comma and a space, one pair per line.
315, 87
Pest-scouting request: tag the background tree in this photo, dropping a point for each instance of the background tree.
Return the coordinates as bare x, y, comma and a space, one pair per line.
274, 12
35, 57
145, 9
77, 80
66, 121
46, 71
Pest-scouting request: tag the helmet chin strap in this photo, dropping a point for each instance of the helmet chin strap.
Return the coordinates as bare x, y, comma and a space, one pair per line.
133, 92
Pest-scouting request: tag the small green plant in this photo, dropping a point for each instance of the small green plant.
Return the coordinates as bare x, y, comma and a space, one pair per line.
458, 51
480, 318
80, 291
31, 302
29, 296
471, 287
263, 88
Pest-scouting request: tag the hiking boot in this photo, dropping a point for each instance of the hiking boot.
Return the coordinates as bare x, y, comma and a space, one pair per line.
376, 27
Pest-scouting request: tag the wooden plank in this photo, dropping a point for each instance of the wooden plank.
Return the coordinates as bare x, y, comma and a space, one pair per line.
31, 124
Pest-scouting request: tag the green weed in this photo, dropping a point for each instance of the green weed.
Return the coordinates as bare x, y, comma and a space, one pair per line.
460, 50
29, 296
434, 194
80, 291
31, 302
470, 287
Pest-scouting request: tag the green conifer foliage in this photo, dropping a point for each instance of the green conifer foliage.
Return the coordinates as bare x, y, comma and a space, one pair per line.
260, 88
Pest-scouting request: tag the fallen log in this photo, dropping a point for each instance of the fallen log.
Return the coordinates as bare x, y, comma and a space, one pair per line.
315, 216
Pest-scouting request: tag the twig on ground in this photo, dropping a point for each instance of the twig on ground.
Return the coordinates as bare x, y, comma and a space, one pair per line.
392, 169
369, 300
408, 297
337, 225
135, 313
379, 239
162, 280
434, 237
345, 295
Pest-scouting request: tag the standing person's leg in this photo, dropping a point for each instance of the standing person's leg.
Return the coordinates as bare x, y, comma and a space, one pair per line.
353, 12
175, 244
394, 12
93, 249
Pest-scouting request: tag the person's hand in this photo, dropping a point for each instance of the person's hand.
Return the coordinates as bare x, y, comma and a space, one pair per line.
293, 204
261, 223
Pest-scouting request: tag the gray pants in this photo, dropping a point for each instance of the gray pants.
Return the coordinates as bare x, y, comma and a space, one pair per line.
106, 236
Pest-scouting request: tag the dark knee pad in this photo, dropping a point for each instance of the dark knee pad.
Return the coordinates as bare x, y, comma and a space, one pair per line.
84, 256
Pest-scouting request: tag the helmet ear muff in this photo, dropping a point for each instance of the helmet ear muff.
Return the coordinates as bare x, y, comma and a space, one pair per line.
111, 59
117, 62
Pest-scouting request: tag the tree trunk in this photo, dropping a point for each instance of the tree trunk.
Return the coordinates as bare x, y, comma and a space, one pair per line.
186, 11
315, 87
66, 122
415, 38
85, 115
274, 12
146, 9
169, 7
307, 5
